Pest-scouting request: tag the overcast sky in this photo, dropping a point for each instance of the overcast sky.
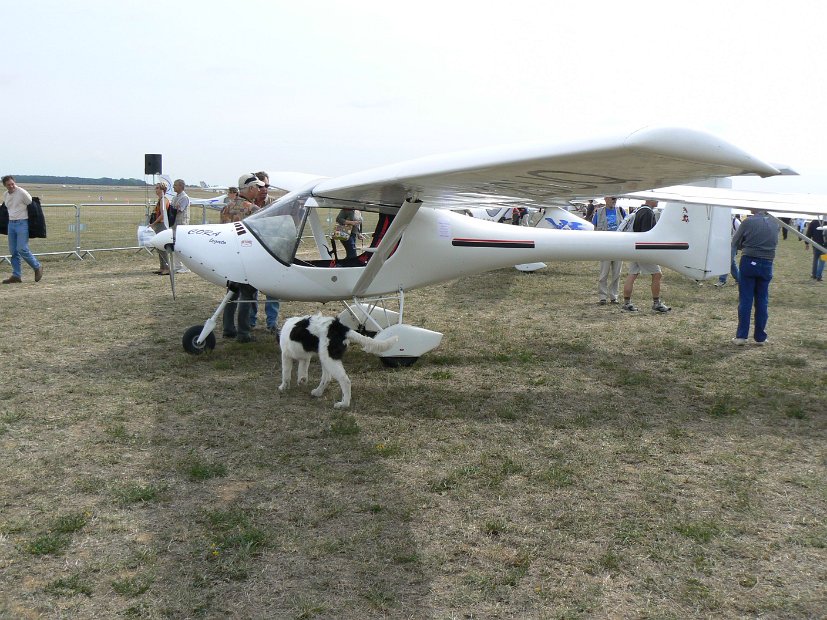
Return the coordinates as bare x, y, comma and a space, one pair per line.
220, 88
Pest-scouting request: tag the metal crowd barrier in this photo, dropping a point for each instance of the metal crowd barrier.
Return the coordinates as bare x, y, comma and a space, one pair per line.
80, 230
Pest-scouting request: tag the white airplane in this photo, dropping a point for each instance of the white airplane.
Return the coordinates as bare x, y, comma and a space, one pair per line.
212, 188
553, 216
419, 241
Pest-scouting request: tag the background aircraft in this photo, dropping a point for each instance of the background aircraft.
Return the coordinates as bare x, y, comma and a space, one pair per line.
212, 188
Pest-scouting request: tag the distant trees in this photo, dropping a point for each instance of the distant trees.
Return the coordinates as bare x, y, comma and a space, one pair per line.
40, 178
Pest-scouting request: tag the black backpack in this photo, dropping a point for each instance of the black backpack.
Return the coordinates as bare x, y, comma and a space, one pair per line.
644, 219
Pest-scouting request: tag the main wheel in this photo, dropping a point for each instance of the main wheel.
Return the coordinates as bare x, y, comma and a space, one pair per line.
190, 341
398, 362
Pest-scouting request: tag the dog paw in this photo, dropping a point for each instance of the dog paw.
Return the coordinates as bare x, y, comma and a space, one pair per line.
341, 405
282, 387
301, 381
316, 393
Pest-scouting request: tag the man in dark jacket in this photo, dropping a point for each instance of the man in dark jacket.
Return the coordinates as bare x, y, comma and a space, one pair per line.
816, 233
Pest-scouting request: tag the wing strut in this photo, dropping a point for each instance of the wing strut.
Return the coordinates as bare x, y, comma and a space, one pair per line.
798, 234
383, 250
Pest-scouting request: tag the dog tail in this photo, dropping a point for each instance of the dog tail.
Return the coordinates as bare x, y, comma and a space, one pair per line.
370, 344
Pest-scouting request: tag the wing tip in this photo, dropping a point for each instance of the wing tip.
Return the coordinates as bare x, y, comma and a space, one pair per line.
684, 142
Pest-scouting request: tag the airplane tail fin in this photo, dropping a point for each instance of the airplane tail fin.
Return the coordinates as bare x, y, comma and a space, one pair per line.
203, 184
694, 240
371, 345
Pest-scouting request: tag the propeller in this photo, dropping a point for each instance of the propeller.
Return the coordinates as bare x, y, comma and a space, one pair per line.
170, 250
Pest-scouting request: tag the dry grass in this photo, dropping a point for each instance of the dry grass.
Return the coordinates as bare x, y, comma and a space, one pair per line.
552, 459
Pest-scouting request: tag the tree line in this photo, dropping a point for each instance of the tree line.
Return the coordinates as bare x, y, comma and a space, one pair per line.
45, 179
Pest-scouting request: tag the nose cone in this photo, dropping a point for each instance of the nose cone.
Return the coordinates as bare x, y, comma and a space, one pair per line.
211, 251
161, 240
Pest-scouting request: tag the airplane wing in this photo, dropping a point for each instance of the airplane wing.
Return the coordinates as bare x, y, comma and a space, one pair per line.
541, 173
780, 205
292, 181
535, 175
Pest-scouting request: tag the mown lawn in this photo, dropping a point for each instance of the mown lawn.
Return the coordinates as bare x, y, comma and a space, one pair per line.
552, 459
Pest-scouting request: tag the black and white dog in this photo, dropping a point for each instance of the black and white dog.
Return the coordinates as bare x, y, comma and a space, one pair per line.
302, 337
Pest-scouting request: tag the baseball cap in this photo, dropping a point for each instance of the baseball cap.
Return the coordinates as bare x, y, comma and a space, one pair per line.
249, 179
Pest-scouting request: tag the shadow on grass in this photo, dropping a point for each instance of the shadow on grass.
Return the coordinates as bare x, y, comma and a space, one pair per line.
298, 511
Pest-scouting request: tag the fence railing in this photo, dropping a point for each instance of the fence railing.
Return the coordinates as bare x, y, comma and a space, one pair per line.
79, 230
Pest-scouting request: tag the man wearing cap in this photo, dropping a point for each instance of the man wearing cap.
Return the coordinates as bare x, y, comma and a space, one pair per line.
235, 211
271, 306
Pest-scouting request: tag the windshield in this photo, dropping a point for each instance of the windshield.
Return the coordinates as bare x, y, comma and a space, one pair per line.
278, 227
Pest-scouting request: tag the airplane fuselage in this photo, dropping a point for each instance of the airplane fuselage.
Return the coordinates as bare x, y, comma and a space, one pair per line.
439, 245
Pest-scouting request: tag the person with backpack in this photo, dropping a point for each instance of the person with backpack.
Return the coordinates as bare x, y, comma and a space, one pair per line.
642, 220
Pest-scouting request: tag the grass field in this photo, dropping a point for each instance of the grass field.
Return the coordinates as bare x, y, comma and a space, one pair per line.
552, 459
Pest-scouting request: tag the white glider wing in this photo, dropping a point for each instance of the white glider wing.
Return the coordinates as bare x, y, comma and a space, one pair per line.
779, 205
540, 173
536, 174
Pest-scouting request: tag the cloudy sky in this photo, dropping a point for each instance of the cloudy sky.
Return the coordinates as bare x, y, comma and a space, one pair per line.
220, 88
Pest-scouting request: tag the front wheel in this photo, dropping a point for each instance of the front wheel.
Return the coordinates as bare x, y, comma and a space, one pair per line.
190, 341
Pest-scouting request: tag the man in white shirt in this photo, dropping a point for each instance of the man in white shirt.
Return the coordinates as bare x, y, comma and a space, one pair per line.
17, 201
181, 205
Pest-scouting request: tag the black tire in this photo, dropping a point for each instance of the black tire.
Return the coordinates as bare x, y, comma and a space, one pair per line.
398, 362
191, 337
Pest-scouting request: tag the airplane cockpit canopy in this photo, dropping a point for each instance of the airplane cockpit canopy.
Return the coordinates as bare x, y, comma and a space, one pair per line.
279, 226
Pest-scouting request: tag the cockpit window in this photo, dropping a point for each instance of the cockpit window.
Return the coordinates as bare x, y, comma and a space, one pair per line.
279, 226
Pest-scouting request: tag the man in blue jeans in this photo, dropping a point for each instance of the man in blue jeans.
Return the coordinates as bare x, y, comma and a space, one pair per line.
817, 235
757, 238
17, 201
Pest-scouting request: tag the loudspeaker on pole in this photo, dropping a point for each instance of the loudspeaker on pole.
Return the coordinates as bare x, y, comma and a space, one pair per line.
152, 164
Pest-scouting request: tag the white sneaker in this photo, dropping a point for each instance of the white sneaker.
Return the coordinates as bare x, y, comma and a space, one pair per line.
739, 341
719, 284
762, 342
182, 270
